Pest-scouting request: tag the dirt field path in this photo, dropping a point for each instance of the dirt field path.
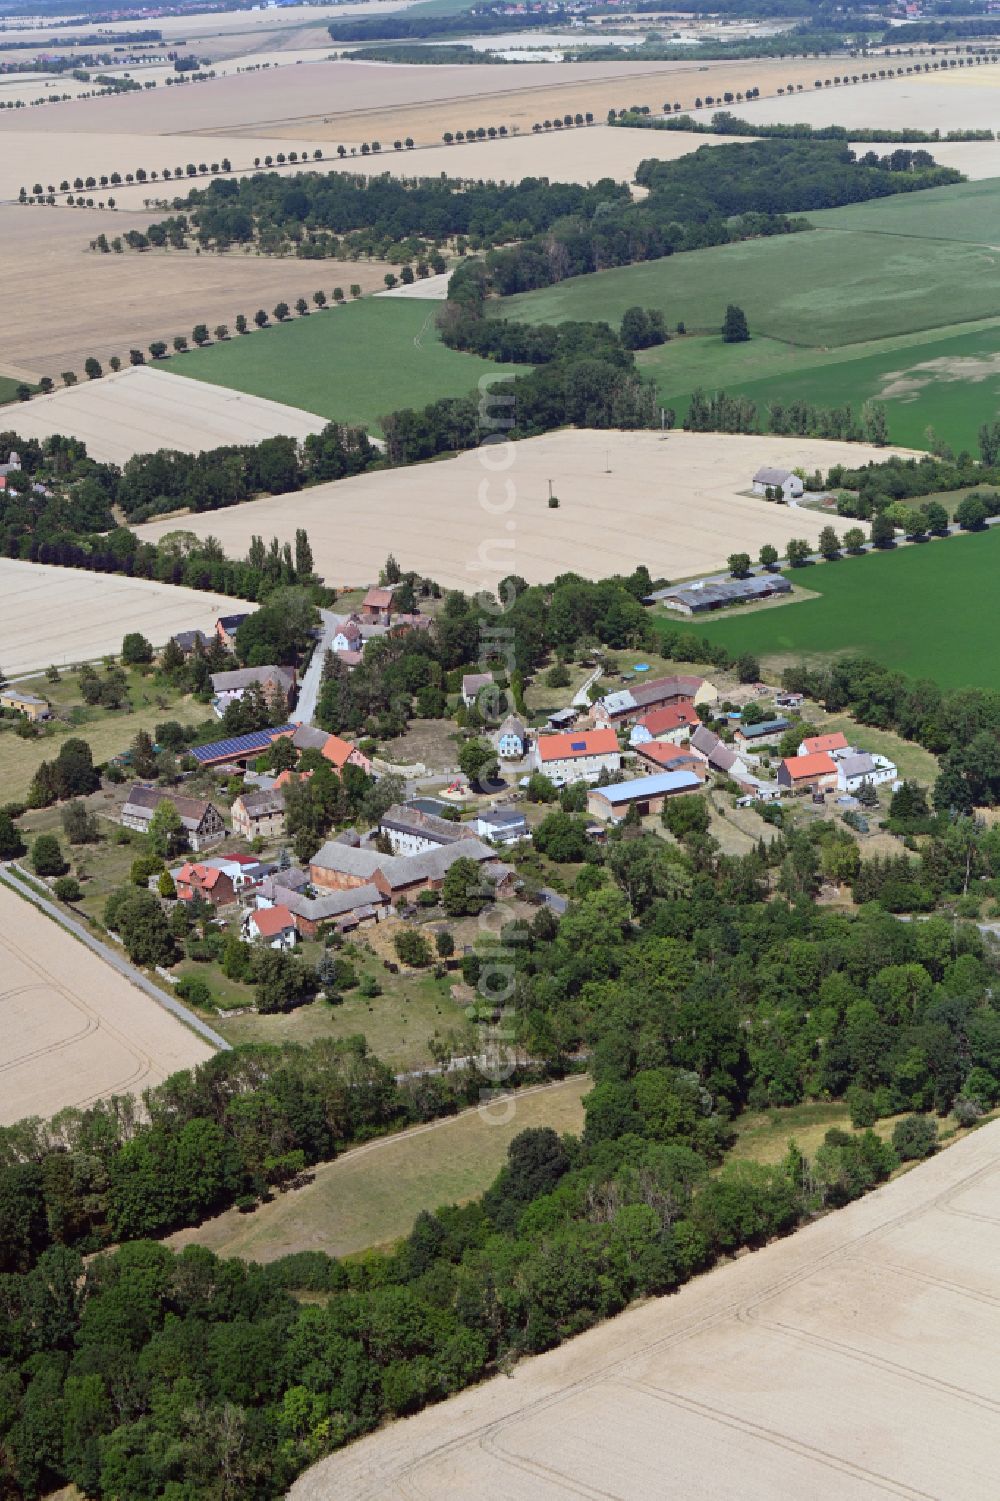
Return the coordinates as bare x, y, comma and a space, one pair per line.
858, 1359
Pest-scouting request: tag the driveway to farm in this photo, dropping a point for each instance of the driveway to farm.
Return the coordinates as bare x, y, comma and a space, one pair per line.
115, 960
305, 709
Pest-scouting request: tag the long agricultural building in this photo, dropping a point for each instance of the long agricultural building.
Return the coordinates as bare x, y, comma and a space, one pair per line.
709, 594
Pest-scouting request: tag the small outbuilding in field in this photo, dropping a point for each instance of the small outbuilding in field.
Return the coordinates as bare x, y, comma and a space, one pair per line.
789, 484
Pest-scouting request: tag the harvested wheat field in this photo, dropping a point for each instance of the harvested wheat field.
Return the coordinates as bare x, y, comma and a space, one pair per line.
857, 1359
66, 615
103, 305
677, 503
141, 409
348, 102
73, 1029
961, 99
30, 155
517, 95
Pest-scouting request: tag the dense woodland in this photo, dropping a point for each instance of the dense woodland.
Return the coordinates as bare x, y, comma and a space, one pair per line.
277, 210
694, 996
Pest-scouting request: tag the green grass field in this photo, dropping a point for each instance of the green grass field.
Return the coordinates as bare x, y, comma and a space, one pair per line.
967, 211
895, 300
819, 288
949, 382
372, 1194
354, 363
931, 611
8, 389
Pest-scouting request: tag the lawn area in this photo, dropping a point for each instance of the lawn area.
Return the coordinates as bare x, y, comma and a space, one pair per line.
398, 1024
100, 867
822, 288
929, 611
353, 363
372, 1194
106, 731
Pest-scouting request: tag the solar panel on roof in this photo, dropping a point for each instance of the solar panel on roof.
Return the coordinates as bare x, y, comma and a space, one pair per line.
578, 745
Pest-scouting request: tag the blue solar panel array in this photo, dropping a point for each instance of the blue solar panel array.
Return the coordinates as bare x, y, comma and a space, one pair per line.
239, 745
578, 745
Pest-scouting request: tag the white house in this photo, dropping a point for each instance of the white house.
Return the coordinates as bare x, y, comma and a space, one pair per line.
412, 831
512, 738
579, 756
501, 826
272, 926
473, 684
854, 771
789, 484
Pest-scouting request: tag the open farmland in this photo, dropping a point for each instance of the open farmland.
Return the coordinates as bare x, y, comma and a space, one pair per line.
925, 610
578, 155
354, 363
140, 409
857, 1358
961, 99
94, 304
74, 1029
373, 1193
63, 615
945, 375
677, 504
814, 288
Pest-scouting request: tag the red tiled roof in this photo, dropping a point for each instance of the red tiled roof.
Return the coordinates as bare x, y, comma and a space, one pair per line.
270, 921
807, 768
817, 743
670, 717
572, 744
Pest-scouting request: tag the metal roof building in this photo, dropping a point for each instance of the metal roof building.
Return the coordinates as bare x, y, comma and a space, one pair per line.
699, 597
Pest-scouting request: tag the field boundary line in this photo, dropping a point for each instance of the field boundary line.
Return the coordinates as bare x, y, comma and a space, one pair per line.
10, 878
